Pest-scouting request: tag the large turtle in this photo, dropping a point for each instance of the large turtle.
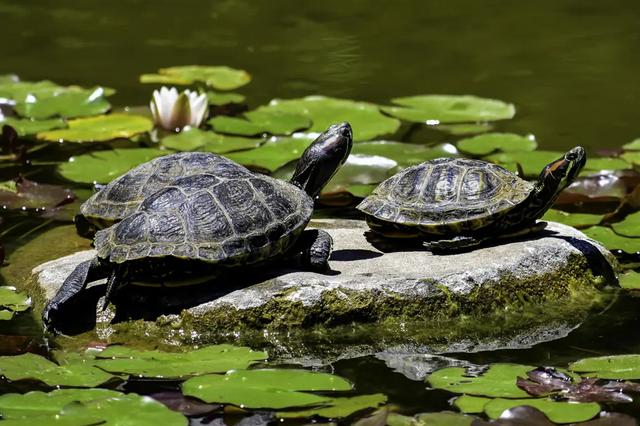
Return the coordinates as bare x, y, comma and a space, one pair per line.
459, 203
196, 227
123, 195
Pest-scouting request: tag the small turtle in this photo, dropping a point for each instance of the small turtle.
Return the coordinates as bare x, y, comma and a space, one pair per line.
121, 197
194, 228
459, 203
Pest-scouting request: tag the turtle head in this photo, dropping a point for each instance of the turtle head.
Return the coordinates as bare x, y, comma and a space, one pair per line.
322, 159
560, 173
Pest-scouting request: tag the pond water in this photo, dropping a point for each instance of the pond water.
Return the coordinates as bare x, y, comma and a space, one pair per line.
570, 67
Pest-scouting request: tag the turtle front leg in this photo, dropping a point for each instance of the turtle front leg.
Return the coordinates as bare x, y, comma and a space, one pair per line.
84, 273
315, 246
460, 242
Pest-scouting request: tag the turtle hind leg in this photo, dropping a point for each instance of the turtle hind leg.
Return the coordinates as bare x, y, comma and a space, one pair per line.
77, 281
457, 243
315, 246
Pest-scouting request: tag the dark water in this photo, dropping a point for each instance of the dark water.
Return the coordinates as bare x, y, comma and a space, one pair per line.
571, 67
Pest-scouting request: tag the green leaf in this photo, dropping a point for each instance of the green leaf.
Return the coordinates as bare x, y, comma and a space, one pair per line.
598, 164
471, 404
261, 121
157, 364
578, 220
26, 127
217, 77
532, 163
272, 155
338, 407
274, 389
499, 380
464, 129
13, 301
634, 145
630, 280
611, 240
449, 109
629, 227
404, 154
67, 104
365, 118
104, 166
216, 98
490, 142
631, 157
557, 412
100, 129
19, 90
5, 315
200, 140
30, 366
35, 403
609, 367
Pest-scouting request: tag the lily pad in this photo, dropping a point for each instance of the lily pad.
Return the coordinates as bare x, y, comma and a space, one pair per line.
471, 404
23, 194
19, 90
499, 380
36, 403
360, 169
449, 109
464, 128
200, 140
629, 227
604, 163
104, 166
30, 366
274, 389
404, 154
577, 220
217, 77
630, 280
261, 121
611, 240
68, 104
532, 163
338, 407
631, 157
365, 118
157, 364
216, 98
609, 367
557, 412
490, 142
100, 129
26, 127
272, 155
430, 419
11, 301
634, 145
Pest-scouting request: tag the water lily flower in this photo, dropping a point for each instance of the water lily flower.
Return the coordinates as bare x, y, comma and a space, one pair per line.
173, 111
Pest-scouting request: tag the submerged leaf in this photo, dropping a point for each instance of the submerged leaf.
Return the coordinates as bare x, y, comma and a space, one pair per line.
188, 406
200, 140
499, 380
216, 98
24, 194
449, 109
217, 77
338, 407
490, 142
100, 129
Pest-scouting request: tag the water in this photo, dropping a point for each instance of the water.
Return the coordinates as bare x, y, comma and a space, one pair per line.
570, 66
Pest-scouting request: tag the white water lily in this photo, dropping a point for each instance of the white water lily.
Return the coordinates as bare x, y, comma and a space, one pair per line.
173, 111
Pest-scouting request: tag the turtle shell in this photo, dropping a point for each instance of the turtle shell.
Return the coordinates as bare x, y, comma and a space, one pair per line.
447, 195
124, 194
229, 216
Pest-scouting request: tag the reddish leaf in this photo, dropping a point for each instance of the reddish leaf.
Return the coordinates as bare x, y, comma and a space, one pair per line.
29, 195
186, 405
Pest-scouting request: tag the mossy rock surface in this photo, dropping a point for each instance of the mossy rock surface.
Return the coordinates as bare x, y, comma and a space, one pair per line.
510, 294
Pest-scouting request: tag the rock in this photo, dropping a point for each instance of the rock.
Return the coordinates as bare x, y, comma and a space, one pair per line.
524, 291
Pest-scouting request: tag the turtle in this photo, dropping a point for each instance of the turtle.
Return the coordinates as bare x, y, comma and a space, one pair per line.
199, 226
457, 203
122, 196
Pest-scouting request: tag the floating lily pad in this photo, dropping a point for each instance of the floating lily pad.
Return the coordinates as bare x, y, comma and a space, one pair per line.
577, 220
200, 140
609, 367
632, 157
104, 166
16, 406
30, 366
275, 389
11, 301
557, 412
532, 163
404, 154
634, 145
217, 77
465, 129
600, 164
365, 118
118, 409
216, 98
499, 380
100, 129
361, 190
630, 280
430, 419
338, 407
19, 90
471, 404
261, 121
629, 227
26, 127
68, 104
360, 169
449, 109
611, 240
490, 142
272, 155
211, 359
